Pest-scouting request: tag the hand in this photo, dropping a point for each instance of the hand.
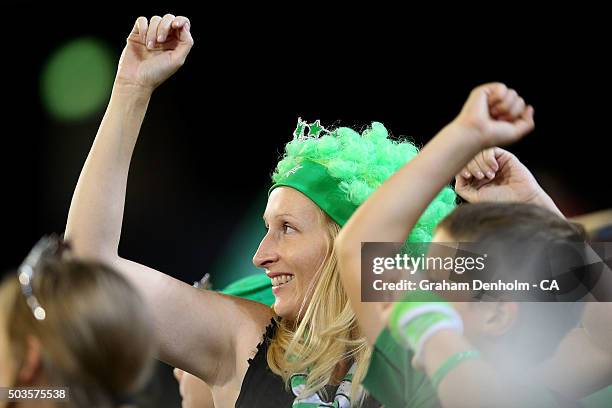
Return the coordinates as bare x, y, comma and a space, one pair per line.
496, 115
155, 50
497, 175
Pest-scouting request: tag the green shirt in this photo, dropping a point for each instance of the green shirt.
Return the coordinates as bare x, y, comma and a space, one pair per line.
393, 381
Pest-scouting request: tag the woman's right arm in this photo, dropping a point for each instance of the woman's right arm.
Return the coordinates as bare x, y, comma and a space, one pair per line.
195, 329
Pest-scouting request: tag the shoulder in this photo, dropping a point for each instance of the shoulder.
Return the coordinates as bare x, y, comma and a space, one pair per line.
249, 317
252, 322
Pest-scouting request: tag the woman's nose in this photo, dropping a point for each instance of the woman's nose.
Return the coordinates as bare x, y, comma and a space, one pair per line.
266, 254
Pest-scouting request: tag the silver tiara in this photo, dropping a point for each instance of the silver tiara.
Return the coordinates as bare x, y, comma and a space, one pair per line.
305, 130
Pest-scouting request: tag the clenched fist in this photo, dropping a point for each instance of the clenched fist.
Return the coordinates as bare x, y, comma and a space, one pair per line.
496, 175
496, 114
155, 50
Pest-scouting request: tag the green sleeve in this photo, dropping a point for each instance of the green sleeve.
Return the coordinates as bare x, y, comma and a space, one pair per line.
393, 381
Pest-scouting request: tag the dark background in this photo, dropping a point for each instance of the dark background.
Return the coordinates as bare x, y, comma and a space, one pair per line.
214, 131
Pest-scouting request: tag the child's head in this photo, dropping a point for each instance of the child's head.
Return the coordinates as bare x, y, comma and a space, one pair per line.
517, 222
522, 238
93, 337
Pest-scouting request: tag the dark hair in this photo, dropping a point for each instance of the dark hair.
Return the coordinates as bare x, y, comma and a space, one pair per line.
524, 238
509, 221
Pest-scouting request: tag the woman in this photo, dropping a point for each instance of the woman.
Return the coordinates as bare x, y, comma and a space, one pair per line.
312, 346
72, 324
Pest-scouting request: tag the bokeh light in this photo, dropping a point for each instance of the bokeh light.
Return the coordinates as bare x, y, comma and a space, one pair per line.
77, 79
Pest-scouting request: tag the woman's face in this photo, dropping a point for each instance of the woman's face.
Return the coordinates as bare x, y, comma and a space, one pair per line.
293, 248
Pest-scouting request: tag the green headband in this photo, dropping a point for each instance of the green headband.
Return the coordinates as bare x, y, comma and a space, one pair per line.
314, 181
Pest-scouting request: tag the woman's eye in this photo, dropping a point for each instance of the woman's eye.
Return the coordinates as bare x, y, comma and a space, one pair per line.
288, 228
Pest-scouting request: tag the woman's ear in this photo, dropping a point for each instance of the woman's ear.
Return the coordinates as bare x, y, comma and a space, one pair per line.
31, 362
500, 318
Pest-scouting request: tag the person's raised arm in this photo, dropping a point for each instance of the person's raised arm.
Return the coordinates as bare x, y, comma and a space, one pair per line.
96, 211
188, 327
394, 208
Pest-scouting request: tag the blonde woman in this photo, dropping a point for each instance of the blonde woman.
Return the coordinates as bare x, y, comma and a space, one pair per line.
311, 352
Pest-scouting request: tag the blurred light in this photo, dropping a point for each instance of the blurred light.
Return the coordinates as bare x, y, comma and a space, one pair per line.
235, 259
77, 79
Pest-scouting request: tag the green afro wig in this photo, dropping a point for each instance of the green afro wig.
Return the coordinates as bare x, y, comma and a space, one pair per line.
358, 164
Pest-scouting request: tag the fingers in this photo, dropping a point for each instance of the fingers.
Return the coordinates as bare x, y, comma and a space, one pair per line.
174, 33
183, 25
496, 92
483, 165
503, 104
512, 108
488, 159
169, 32
462, 187
465, 173
180, 21
516, 109
170, 27
486, 165
164, 27
499, 153
460, 182
140, 29
474, 168
185, 32
185, 42
479, 97
152, 31
498, 116
525, 124
178, 374
508, 107
476, 109
480, 94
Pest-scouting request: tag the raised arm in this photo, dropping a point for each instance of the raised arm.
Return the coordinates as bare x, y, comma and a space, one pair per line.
191, 333
394, 208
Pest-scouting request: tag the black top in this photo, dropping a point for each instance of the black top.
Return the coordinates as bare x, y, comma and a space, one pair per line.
261, 388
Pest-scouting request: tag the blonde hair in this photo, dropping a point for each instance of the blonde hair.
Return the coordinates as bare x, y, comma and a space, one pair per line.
96, 337
326, 334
